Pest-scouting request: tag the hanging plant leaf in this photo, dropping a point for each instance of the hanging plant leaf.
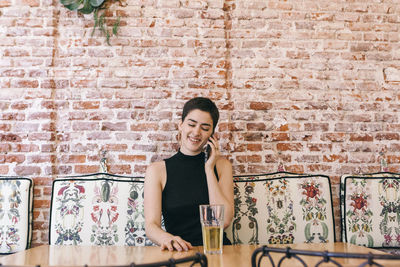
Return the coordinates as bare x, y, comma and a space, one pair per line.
87, 7
74, 6
96, 3
115, 26
94, 6
68, 2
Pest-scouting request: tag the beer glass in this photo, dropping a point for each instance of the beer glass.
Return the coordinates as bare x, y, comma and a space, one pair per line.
212, 224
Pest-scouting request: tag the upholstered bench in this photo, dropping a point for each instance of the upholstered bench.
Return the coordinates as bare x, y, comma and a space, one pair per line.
15, 214
282, 208
98, 209
370, 209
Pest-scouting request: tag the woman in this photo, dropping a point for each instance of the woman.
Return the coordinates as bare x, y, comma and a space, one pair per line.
175, 187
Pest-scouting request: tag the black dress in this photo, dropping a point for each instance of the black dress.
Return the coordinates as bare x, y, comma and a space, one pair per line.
185, 189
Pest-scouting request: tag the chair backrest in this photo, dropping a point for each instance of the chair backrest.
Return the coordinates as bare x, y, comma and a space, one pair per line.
15, 214
282, 208
98, 209
370, 209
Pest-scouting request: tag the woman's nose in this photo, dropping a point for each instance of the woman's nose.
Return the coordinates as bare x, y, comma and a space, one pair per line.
197, 130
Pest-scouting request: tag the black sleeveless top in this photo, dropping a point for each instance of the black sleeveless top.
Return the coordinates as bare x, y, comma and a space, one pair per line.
185, 189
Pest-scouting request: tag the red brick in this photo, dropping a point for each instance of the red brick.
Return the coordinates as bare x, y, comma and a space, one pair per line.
47, 191
99, 136
256, 126
120, 169
117, 104
40, 225
159, 137
320, 127
4, 169
320, 147
144, 127
140, 169
58, 170
41, 136
335, 158
289, 146
361, 137
25, 83
252, 158
13, 73
387, 136
16, 53
132, 158
37, 203
294, 168
12, 116
5, 127
73, 159
27, 170
318, 168
114, 147
280, 137
253, 147
36, 214
25, 148
118, 126
260, 105
86, 105
10, 138
14, 158
5, 148
334, 137
85, 126
82, 169
253, 137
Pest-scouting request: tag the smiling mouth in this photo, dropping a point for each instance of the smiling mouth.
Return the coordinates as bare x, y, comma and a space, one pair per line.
194, 140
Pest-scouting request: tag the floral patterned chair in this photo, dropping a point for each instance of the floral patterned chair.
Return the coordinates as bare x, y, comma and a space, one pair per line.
282, 208
15, 214
98, 209
370, 209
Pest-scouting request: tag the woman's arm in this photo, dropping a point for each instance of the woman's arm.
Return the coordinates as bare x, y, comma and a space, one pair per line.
153, 186
220, 192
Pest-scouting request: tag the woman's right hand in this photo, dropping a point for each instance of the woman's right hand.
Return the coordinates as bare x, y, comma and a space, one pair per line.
175, 243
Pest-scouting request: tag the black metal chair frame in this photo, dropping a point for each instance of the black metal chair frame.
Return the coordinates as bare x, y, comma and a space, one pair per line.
326, 256
197, 258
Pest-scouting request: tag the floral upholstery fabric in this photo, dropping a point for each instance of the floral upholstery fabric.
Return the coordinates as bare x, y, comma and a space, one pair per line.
15, 214
282, 208
370, 209
98, 209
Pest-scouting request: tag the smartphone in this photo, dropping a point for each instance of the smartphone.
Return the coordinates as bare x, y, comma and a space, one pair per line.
207, 151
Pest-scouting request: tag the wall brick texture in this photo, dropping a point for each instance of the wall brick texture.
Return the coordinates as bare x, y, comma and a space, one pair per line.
312, 85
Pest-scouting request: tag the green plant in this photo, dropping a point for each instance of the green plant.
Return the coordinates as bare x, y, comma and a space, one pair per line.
98, 8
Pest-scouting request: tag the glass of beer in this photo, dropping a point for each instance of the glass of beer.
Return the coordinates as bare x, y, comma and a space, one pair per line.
212, 224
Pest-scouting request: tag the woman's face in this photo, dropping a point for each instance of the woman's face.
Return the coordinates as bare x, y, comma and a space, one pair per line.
195, 131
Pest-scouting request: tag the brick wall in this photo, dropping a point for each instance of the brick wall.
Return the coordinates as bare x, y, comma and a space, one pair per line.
313, 85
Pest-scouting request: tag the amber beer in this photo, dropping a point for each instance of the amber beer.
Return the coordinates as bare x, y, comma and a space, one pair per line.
212, 222
212, 239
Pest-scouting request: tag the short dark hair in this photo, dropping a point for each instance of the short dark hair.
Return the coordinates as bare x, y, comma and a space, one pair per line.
203, 104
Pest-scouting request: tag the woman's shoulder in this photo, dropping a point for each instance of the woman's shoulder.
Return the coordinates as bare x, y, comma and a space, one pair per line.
156, 166
156, 170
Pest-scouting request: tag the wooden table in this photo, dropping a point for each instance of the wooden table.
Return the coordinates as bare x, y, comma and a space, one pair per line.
237, 255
